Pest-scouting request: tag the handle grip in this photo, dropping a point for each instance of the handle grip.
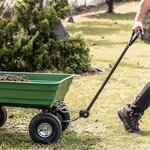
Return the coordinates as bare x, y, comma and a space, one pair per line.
134, 36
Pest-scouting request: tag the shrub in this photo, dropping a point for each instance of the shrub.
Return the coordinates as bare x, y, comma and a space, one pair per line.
28, 40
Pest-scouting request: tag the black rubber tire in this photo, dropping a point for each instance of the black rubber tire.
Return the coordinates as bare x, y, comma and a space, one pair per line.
3, 116
65, 116
49, 119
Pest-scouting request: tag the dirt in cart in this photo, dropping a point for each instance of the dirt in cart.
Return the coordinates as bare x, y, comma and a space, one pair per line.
9, 77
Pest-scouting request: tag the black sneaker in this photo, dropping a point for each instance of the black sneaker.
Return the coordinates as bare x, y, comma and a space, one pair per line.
130, 119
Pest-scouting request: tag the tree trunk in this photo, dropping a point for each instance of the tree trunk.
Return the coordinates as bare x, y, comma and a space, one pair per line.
6, 8
110, 6
146, 24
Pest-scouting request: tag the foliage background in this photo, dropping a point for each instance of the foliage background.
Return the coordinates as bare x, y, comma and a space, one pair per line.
28, 40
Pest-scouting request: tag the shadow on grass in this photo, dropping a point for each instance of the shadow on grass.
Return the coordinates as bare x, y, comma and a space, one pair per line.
13, 139
147, 42
96, 28
144, 133
71, 140
103, 28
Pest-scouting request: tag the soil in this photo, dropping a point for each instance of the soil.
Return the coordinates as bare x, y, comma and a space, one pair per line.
9, 77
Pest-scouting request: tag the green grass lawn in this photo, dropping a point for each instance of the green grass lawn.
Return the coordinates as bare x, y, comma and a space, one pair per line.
106, 36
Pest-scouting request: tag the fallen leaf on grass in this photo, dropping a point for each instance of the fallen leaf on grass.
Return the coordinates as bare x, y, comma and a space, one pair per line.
110, 65
11, 116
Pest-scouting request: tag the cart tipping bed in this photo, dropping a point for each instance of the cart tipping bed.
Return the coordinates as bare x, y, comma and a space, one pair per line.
42, 90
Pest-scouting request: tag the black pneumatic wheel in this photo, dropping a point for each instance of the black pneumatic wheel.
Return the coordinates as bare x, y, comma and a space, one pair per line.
3, 116
45, 128
65, 118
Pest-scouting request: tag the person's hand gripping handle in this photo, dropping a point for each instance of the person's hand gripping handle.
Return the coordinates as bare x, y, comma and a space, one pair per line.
135, 34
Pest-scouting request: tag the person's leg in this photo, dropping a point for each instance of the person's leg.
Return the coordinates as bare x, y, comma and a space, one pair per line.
131, 113
142, 101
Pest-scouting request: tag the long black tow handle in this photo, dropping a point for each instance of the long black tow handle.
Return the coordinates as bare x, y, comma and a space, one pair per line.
133, 38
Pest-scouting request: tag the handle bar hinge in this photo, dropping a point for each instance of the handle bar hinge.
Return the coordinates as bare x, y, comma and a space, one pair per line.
84, 113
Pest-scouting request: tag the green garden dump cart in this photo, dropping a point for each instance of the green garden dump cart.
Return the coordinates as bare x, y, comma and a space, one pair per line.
45, 91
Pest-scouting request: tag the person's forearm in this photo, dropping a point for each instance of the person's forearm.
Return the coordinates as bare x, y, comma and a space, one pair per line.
144, 5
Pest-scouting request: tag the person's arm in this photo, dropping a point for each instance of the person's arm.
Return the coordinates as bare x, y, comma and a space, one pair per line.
144, 5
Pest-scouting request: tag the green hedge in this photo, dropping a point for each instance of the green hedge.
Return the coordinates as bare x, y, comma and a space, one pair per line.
28, 40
